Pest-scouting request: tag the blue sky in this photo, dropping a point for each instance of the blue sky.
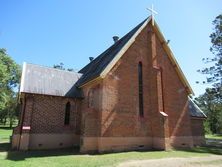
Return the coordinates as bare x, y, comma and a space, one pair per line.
48, 32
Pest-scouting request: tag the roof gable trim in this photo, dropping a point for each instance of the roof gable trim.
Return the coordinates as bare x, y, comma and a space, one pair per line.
197, 107
165, 46
173, 59
123, 50
23, 77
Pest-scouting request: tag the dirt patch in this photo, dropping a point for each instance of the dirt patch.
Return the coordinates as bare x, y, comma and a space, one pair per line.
210, 161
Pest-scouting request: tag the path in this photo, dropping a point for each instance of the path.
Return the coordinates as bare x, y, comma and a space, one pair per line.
210, 161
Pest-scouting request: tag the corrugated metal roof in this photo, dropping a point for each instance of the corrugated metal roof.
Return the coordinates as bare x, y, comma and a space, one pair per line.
95, 67
49, 81
195, 111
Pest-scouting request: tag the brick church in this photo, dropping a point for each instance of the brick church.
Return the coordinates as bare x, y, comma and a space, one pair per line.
133, 96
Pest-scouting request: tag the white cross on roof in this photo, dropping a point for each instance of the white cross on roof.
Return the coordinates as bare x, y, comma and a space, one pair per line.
153, 12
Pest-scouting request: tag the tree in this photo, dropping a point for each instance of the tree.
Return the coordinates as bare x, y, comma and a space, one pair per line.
211, 104
211, 100
10, 73
60, 66
214, 72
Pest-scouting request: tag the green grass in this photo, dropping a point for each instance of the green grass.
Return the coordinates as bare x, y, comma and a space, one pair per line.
214, 136
71, 157
5, 134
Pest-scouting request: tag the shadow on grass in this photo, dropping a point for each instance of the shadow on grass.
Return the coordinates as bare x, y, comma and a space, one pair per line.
4, 147
22, 155
218, 135
214, 143
6, 128
205, 149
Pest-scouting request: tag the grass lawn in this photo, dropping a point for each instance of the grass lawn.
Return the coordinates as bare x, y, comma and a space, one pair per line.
5, 134
215, 136
71, 158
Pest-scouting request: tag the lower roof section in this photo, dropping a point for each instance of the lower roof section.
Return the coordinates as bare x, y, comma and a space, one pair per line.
194, 110
49, 81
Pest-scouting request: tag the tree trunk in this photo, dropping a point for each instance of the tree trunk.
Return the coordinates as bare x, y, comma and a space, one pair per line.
10, 122
5, 120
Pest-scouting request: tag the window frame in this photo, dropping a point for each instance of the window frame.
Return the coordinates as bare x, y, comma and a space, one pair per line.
67, 114
140, 89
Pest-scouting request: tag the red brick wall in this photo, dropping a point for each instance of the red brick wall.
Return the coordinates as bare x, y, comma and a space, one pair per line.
198, 132
175, 96
120, 109
91, 113
45, 114
197, 127
120, 115
114, 111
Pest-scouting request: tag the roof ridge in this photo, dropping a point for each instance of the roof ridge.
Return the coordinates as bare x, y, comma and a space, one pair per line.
52, 68
38, 79
96, 67
102, 54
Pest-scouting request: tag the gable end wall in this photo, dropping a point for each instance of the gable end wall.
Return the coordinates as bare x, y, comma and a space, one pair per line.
120, 112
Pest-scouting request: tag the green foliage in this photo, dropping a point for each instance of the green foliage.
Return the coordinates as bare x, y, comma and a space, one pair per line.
207, 127
10, 73
214, 72
60, 66
210, 102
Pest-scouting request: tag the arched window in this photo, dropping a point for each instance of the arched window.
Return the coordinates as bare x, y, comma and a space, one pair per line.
67, 113
140, 79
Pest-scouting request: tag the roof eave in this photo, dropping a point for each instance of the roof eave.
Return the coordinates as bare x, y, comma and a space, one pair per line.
173, 59
195, 117
131, 41
23, 77
123, 50
166, 47
197, 107
90, 82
